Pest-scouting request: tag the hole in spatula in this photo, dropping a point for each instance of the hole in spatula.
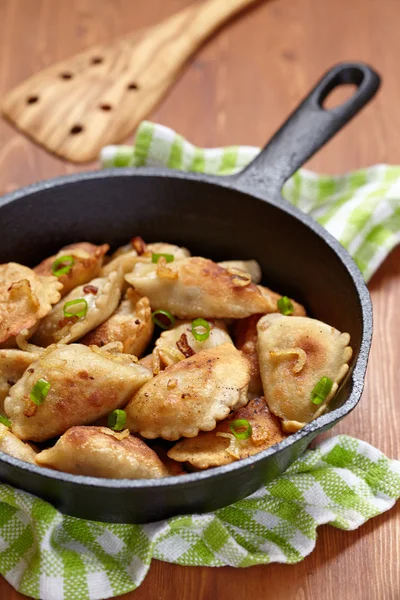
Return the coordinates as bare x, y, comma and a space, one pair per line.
133, 86
32, 99
76, 129
106, 107
97, 60
66, 76
339, 96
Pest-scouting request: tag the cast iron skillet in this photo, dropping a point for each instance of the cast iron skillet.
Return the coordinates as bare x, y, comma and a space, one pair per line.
243, 216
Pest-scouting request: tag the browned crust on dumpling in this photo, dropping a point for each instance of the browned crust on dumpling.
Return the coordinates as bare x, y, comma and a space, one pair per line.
211, 449
246, 341
85, 384
272, 298
101, 452
10, 444
191, 395
198, 287
13, 364
131, 324
88, 261
294, 354
25, 298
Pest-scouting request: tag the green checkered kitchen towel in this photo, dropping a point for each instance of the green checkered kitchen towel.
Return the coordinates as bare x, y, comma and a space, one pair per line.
344, 481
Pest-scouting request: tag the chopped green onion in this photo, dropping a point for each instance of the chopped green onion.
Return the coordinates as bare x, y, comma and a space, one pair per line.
5, 421
200, 329
117, 420
155, 257
161, 316
241, 429
285, 306
39, 391
321, 390
76, 312
62, 265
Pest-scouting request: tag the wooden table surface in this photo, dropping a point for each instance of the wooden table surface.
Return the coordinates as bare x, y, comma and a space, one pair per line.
237, 90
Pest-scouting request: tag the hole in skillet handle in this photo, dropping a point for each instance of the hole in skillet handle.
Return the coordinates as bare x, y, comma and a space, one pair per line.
347, 85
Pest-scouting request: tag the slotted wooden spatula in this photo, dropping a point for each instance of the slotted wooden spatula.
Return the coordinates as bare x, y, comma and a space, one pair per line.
99, 96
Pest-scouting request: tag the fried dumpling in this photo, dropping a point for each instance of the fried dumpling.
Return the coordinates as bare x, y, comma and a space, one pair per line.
10, 444
251, 267
191, 395
178, 343
246, 341
197, 287
99, 298
221, 447
294, 354
138, 251
101, 452
13, 364
25, 297
272, 299
131, 324
85, 264
83, 383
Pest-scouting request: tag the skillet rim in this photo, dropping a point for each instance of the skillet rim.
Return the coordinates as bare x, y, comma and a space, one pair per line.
322, 423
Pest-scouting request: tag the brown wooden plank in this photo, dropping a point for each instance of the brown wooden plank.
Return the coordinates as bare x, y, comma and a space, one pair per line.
237, 90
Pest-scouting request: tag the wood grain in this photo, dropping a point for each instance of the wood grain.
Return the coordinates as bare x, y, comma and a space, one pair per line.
98, 97
237, 90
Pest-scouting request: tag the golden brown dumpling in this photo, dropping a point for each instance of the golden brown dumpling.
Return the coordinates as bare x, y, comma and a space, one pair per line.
246, 341
272, 299
87, 261
25, 297
102, 296
131, 324
101, 452
294, 354
190, 395
10, 444
197, 287
13, 364
178, 343
85, 384
251, 267
127, 256
221, 447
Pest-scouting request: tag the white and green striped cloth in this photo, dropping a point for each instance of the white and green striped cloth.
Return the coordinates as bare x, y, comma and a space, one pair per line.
344, 481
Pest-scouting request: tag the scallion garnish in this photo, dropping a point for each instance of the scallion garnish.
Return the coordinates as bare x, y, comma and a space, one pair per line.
155, 257
117, 420
5, 421
241, 429
80, 308
163, 318
39, 391
285, 306
321, 390
200, 329
62, 265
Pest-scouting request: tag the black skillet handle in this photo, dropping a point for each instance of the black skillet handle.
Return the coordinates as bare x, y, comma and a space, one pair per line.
308, 128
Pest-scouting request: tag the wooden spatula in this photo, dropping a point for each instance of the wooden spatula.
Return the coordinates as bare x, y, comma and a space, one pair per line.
99, 96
